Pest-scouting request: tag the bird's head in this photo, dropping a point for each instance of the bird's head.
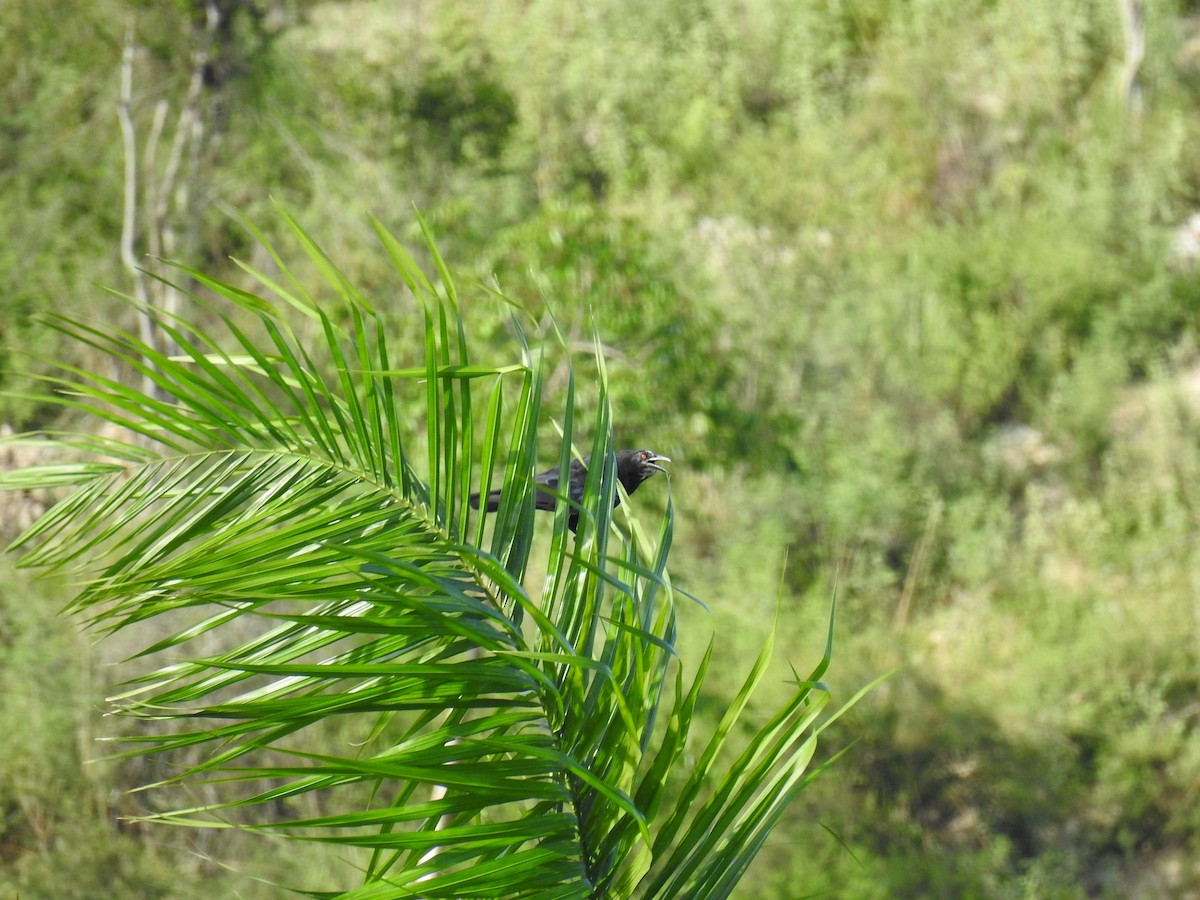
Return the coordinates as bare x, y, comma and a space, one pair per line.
635, 466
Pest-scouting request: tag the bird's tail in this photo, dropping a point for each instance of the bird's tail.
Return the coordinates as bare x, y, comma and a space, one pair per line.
493, 501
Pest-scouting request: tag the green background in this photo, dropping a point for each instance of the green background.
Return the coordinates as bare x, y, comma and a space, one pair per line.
896, 283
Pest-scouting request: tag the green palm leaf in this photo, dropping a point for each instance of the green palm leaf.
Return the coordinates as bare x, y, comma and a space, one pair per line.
269, 501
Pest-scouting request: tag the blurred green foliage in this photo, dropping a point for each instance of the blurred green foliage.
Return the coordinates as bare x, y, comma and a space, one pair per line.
893, 282
62, 802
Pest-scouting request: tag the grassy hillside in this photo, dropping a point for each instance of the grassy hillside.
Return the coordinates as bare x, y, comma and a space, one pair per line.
895, 283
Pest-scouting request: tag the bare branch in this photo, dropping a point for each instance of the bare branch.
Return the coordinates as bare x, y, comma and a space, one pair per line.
150, 166
129, 219
176, 192
1133, 18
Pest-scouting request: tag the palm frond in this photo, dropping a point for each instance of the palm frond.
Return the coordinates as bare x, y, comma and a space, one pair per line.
271, 502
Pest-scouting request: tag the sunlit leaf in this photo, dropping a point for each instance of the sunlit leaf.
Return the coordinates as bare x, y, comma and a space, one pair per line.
293, 514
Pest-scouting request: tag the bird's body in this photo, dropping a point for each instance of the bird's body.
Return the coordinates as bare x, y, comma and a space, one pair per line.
633, 467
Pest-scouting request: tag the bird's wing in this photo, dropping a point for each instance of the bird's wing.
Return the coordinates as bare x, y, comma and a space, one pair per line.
549, 480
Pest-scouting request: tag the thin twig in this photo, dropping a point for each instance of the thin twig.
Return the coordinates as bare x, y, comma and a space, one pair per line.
150, 167
1133, 19
175, 192
129, 219
917, 566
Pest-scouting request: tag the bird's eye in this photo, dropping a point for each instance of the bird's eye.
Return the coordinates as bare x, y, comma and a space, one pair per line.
645, 456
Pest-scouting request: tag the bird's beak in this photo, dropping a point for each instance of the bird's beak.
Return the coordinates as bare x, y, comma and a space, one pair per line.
654, 461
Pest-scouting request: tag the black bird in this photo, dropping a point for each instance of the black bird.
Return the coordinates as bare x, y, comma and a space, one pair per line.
633, 467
